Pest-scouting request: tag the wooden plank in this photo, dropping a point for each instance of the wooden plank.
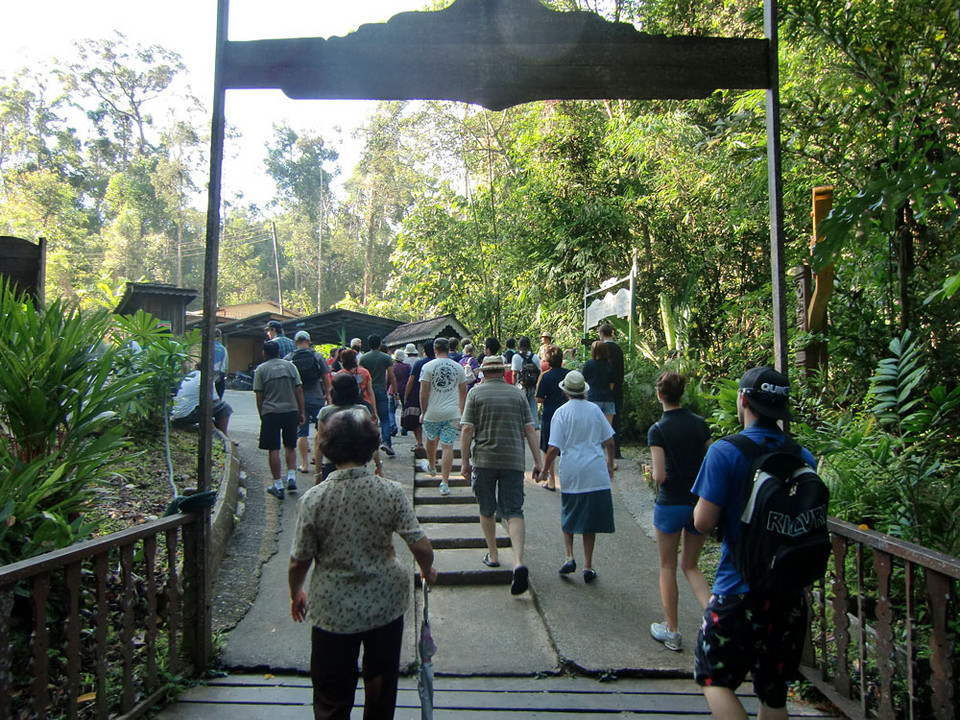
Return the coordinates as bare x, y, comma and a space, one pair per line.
498, 53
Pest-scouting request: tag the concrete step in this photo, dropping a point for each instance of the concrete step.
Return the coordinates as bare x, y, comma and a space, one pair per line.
444, 536
450, 499
457, 513
429, 481
465, 567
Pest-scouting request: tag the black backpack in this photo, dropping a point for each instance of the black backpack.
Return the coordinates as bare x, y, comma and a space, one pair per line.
529, 371
307, 364
783, 544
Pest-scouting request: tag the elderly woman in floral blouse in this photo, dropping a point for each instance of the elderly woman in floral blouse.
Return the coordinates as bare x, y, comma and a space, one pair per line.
359, 589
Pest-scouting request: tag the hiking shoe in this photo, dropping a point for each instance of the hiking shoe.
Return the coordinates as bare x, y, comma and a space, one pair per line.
388, 450
277, 492
670, 640
568, 567
444, 488
291, 485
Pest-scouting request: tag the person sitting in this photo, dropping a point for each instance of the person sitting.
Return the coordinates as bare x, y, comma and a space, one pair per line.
186, 405
360, 588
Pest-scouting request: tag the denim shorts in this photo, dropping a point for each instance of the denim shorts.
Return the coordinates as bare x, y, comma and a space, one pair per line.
499, 492
311, 406
671, 519
606, 406
445, 430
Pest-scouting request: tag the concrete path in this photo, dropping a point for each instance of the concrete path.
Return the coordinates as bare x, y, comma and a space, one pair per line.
480, 629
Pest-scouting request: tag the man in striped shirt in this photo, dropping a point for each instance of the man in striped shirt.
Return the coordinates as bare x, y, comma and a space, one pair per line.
496, 420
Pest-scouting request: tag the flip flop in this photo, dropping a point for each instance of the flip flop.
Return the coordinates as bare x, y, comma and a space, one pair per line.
546, 486
303, 469
488, 562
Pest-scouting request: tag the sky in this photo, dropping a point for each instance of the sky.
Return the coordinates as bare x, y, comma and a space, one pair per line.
37, 30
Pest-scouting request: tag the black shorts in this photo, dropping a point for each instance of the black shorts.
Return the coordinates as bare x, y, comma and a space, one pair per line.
277, 426
755, 632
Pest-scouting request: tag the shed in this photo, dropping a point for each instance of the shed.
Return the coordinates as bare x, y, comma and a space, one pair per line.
426, 330
168, 303
339, 326
23, 264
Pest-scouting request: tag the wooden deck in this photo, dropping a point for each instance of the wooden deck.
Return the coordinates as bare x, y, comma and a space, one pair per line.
246, 697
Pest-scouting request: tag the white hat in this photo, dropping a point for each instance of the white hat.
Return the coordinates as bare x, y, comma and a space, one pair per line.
492, 363
302, 335
411, 349
574, 385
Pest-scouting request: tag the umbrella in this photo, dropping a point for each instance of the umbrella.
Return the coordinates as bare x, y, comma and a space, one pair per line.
426, 647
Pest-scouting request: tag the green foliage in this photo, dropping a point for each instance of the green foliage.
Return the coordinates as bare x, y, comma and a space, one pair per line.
152, 357
892, 463
59, 421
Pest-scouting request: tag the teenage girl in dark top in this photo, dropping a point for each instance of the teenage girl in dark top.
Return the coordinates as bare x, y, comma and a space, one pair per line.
598, 372
678, 442
550, 397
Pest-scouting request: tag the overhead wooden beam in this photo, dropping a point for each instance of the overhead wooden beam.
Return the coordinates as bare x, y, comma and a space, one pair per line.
498, 53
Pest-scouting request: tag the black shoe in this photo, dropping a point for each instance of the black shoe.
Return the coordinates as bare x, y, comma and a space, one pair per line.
568, 567
388, 450
589, 576
291, 485
520, 580
277, 492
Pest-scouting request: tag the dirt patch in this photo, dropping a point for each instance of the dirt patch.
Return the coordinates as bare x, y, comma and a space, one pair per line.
139, 490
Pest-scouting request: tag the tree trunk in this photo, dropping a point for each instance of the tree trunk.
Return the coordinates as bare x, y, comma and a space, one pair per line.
368, 255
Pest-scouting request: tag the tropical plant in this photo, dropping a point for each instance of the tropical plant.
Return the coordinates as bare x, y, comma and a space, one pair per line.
891, 463
59, 424
151, 354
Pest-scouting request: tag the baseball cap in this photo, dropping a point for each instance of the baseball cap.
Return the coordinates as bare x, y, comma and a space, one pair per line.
274, 325
767, 392
302, 335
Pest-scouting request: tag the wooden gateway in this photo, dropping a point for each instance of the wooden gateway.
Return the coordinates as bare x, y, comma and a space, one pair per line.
495, 53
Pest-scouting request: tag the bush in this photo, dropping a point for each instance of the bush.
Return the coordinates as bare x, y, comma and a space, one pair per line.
59, 422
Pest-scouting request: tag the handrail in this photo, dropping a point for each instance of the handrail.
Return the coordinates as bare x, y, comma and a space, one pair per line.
55, 559
917, 554
139, 596
880, 634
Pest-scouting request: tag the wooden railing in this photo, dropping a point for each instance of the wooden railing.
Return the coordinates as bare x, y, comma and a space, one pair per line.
91, 630
886, 647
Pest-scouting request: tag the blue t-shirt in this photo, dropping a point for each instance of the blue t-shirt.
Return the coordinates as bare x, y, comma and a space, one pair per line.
720, 481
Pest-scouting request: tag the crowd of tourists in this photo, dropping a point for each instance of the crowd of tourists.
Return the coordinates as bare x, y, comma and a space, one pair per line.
497, 402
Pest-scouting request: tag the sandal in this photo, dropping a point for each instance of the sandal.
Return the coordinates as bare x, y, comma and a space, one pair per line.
488, 562
546, 486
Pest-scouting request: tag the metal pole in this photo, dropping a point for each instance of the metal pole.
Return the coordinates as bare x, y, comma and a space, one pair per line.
775, 189
633, 301
276, 264
196, 583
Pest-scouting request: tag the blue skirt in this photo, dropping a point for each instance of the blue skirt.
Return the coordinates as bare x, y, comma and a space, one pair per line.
585, 513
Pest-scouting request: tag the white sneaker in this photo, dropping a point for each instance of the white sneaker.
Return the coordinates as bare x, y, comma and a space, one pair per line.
444, 488
424, 466
670, 640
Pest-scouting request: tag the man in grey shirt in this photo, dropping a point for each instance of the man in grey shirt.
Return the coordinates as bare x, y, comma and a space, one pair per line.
279, 392
496, 420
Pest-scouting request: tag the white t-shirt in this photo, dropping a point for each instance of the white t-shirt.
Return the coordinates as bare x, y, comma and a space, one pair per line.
445, 377
517, 362
578, 429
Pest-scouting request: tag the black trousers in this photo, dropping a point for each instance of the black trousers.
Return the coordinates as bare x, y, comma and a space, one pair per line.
333, 670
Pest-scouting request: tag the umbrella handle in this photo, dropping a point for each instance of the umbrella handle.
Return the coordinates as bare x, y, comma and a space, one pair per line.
426, 598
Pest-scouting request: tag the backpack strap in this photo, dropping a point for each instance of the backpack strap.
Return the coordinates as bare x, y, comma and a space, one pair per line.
745, 445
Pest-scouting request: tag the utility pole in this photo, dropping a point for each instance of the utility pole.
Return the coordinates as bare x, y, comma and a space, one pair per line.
276, 265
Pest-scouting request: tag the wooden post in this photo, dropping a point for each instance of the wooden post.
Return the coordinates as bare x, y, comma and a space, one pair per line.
196, 582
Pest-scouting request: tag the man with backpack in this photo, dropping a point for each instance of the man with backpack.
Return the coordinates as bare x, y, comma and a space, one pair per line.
315, 376
756, 619
526, 374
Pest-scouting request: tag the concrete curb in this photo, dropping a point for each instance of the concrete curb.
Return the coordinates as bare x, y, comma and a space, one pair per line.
225, 508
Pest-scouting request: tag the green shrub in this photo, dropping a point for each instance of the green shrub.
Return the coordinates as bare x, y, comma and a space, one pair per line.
155, 358
59, 421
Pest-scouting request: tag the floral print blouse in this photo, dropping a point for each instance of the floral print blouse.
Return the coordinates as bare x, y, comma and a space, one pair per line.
345, 525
